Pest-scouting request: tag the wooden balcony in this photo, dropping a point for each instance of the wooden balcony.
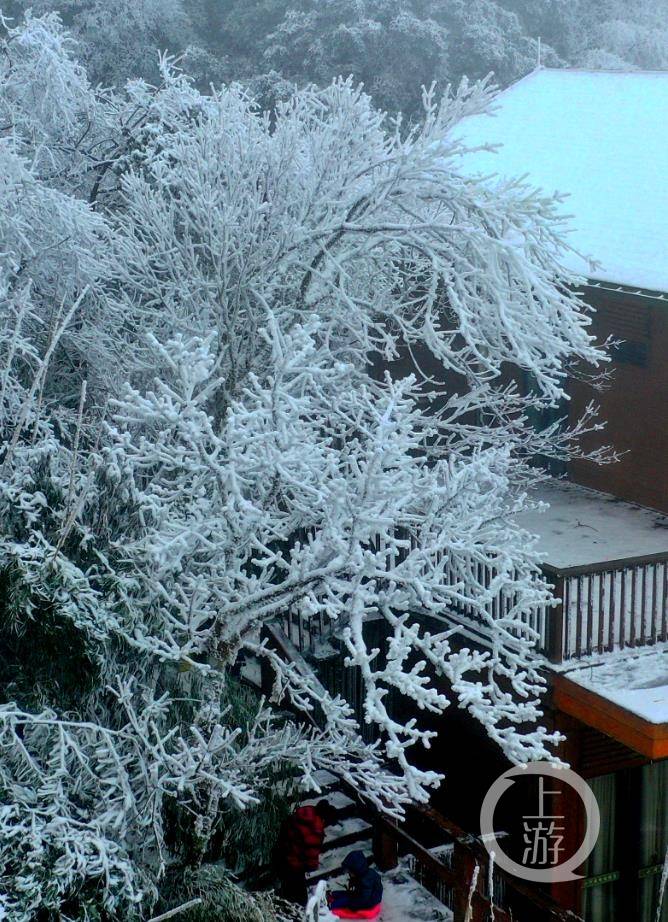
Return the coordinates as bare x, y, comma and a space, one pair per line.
608, 562
607, 606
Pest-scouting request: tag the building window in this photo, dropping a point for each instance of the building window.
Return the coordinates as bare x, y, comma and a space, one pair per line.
602, 873
653, 839
623, 873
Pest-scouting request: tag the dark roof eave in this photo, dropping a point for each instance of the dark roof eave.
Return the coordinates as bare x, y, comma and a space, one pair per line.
647, 293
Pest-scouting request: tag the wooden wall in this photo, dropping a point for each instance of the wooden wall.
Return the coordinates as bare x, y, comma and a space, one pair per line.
635, 405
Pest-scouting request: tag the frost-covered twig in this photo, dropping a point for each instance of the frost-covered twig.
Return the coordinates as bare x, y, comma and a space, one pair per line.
662, 888
184, 907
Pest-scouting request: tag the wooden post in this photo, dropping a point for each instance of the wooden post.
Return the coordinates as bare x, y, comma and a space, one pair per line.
555, 650
267, 677
578, 616
569, 805
385, 848
463, 864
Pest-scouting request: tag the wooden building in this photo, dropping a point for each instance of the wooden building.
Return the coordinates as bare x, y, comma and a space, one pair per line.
602, 138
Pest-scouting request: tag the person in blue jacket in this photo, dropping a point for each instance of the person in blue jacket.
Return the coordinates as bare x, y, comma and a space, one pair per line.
365, 890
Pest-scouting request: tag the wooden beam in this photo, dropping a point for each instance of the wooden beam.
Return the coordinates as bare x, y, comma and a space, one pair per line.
600, 566
593, 710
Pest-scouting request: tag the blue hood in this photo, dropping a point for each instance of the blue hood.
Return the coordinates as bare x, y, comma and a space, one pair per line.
356, 863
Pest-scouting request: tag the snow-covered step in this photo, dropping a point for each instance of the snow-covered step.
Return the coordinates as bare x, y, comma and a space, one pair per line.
348, 832
331, 861
404, 900
352, 825
325, 780
337, 799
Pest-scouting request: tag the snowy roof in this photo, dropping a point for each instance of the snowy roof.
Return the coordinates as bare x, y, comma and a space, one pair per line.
583, 526
638, 682
602, 138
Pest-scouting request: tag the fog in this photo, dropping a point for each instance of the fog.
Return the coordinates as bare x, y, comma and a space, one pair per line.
394, 47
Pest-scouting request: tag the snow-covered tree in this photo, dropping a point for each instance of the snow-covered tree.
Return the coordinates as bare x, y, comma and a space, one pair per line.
117, 39
388, 45
392, 46
225, 450
622, 36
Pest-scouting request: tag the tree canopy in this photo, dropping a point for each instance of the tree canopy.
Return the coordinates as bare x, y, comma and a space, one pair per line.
393, 46
195, 439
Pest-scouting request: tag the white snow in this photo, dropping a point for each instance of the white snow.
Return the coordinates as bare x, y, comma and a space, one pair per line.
404, 900
337, 799
602, 138
353, 824
638, 682
583, 526
324, 778
251, 671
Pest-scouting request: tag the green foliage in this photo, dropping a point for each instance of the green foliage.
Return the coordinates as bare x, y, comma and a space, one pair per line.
247, 837
26, 674
242, 842
241, 839
223, 900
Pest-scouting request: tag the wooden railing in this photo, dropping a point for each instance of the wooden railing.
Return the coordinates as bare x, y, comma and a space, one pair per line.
608, 606
603, 607
460, 881
307, 634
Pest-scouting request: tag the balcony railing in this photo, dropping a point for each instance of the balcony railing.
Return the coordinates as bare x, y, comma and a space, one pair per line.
604, 606
607, 606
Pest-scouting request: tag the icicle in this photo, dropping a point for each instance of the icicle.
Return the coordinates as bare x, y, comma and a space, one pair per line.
472, 889
490, 885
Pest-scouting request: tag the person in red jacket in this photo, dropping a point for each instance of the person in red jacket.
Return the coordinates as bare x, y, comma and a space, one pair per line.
298, 848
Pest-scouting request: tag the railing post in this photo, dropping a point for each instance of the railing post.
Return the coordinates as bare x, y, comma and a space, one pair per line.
385, 848
267, 677
463, 864
555, 647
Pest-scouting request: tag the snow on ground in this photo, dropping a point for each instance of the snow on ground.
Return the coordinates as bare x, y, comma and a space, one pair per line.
331, 861
583, 526
602, 139
404, 900
638, 682
353, 824
336, 799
